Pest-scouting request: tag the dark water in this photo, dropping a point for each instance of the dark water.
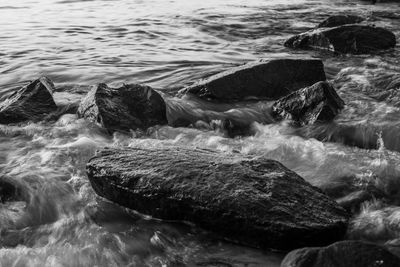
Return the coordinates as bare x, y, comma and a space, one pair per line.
169, 44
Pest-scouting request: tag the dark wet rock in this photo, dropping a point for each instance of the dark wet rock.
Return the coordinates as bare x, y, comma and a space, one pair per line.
269, 79
338, 20
317, 103
9, 190
253, 201
354, 39
342, 254
129, 107
32, 102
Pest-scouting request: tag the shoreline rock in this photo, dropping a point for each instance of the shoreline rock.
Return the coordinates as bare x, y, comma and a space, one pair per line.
32, 102
129, 107
269, 79
252, 201
352, 38
317, 103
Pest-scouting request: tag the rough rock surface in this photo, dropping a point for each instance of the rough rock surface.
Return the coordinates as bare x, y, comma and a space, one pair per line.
354, 39
32, 102
342, 254
338, 20
253, 201
261, 80
129, 107
319, 102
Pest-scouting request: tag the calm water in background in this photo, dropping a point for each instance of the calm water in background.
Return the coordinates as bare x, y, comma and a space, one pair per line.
170, 44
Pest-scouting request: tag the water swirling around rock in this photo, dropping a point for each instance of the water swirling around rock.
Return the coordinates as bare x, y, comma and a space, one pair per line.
57, 220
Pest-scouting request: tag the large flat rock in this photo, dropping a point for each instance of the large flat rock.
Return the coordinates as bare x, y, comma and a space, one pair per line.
269, 79
129, 107
253, 201
352, 39
32, 102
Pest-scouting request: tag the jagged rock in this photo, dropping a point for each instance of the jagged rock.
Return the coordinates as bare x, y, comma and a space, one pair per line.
269, 79
129, 107
319, 102
354, 39
253, 201
342, 254
338, 20
32, 102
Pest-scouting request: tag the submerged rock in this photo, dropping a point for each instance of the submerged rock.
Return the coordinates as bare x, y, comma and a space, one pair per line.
32, 102
342, 254
319, 102
355, 39
266, 80
129, 107
351, 195
338, 20
253, 201
232, 128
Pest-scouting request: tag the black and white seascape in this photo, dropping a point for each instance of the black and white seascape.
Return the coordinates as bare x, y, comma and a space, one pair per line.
213, 133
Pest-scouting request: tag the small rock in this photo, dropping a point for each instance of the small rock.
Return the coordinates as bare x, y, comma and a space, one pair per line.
129, 107
32, 102
353, 39
269, 79
232, 128
252, 201
319, 102
342, 254
339, 20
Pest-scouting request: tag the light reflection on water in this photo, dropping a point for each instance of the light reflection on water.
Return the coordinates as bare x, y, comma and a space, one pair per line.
58, 221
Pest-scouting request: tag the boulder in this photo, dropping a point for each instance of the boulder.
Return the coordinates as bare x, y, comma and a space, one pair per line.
269, 79
353, 39
32, 102
342, 254
339, 20
319, 102
129, 107
252, 201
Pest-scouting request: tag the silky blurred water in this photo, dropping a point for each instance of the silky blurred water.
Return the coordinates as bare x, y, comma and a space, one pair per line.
57, 220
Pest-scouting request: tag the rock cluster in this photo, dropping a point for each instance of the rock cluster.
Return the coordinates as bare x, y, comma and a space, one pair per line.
269, 79
252, 201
